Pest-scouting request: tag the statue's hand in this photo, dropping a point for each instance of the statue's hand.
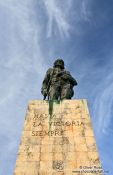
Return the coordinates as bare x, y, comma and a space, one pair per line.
44, 92
59, 74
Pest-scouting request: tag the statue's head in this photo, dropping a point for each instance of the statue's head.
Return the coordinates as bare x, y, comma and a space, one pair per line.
59, 63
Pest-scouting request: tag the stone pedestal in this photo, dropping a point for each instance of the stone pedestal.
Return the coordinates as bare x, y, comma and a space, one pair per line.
57, 139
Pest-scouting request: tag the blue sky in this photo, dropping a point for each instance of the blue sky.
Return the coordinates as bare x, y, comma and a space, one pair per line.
33, 33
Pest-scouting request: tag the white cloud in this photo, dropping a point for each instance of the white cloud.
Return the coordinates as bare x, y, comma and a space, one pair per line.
60, 14
24, 55
85, 10
56, 15
103, 105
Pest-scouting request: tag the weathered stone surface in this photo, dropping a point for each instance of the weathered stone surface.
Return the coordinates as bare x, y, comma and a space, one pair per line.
57, 139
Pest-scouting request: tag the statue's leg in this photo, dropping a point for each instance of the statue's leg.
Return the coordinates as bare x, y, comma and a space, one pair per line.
66, 92
54, 92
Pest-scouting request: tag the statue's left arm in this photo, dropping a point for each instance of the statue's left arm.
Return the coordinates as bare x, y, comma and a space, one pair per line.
68, 76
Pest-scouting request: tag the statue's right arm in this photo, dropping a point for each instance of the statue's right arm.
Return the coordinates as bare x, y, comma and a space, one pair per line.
45, 82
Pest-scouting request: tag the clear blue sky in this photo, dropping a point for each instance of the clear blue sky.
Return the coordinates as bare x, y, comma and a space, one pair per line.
33, 33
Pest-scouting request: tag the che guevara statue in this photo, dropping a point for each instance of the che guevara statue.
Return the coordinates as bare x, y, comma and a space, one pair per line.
58, 83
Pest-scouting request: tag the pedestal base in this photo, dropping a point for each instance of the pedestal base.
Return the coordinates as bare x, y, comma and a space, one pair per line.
57, 139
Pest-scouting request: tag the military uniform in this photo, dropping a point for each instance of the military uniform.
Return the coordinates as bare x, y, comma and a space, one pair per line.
58, 83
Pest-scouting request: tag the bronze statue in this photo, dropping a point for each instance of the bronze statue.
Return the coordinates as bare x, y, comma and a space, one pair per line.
58, 82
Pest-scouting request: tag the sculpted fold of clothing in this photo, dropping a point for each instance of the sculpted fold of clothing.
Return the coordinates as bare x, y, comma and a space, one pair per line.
57, 92
58, 84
